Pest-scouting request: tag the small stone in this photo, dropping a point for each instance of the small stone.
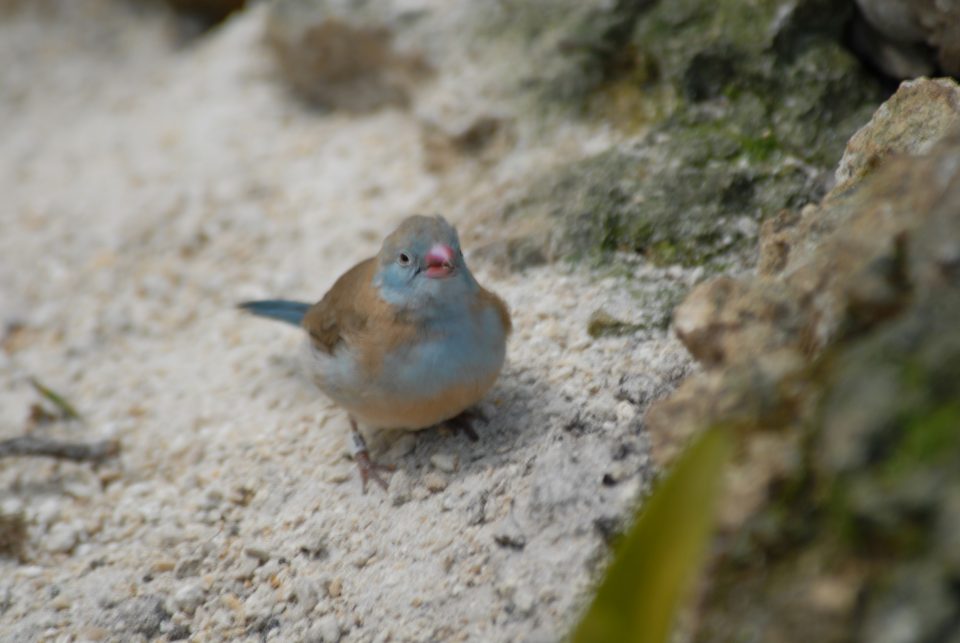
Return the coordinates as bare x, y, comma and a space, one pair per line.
603, 324
267, 570
403, 446
212, 499
245, 568
64, 536
434, 482
61, 602
626, 412
93, 633
187, 568
401, 488
46, 512
307, 594
335, 588
325, 630
523, 602
188, 598
261, 603
258, 551
364, 557
445, 462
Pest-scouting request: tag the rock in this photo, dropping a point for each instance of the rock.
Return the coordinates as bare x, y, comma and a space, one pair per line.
758, 131
838, 367
142, 615
64, 536
258, 551
341, 56
434, 482
603, 324
245, 568
261, 603
325, 630
445, 462
401, 488
188, 597
307, 593
335, 588
483, 138
908, 38
187, 567
722, 316
919, 115
806, 306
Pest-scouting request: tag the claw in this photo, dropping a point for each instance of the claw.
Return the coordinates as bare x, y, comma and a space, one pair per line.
369, 470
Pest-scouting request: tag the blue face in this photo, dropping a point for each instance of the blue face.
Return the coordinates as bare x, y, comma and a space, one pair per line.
424, 271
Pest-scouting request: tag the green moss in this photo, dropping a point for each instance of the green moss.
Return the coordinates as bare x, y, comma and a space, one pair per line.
743, 91
759, 148
928, 438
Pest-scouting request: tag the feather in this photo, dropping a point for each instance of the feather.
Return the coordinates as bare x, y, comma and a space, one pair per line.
291, 312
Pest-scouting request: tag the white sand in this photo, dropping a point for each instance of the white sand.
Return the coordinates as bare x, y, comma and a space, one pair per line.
146, 189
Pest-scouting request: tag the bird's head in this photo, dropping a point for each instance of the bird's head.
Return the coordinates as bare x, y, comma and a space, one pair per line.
421, 266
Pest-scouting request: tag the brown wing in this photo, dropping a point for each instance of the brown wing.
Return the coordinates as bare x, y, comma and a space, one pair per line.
489, 298
341, 309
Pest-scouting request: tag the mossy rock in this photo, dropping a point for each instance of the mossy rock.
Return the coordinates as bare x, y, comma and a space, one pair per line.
873, 514
764, 98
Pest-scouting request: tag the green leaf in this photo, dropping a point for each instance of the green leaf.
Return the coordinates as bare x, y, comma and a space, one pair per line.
66, 409
658, 561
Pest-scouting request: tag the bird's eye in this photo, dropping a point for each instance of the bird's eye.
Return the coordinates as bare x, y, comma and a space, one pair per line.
403, 259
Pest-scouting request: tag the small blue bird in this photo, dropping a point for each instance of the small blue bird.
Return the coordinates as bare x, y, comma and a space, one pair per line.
404, 340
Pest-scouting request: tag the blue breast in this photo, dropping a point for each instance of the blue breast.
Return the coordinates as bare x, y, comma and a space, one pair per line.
456, 350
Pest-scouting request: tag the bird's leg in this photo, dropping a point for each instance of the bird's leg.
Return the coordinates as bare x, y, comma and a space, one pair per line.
463, 423
368, 468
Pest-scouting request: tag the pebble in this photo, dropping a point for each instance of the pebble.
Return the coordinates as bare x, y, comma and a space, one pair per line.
259, 551
401, 488
46, 512
63, 537
187, 568
261, 603
188, 598
445, 462
523, 602
307, 594
245, 568
434, 482
403, 446
625, 412
325, 630
335, 588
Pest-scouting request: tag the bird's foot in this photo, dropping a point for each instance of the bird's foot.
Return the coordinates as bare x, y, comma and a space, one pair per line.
463, 423
369, 469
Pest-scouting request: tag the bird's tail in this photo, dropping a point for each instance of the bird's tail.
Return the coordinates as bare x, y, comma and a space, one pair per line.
291, 312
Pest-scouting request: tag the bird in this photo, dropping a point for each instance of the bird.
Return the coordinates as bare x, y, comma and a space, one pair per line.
407, 339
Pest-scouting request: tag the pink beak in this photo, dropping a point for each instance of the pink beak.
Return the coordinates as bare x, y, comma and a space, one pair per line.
439, 261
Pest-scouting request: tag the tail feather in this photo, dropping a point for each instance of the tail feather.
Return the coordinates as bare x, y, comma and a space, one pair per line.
291, 312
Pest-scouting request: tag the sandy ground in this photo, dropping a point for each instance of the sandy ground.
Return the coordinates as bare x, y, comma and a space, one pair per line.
147, 187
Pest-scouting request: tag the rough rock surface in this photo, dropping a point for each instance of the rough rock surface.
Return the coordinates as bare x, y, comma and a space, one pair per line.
909, 38
920, 114
740, 110
838, 366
